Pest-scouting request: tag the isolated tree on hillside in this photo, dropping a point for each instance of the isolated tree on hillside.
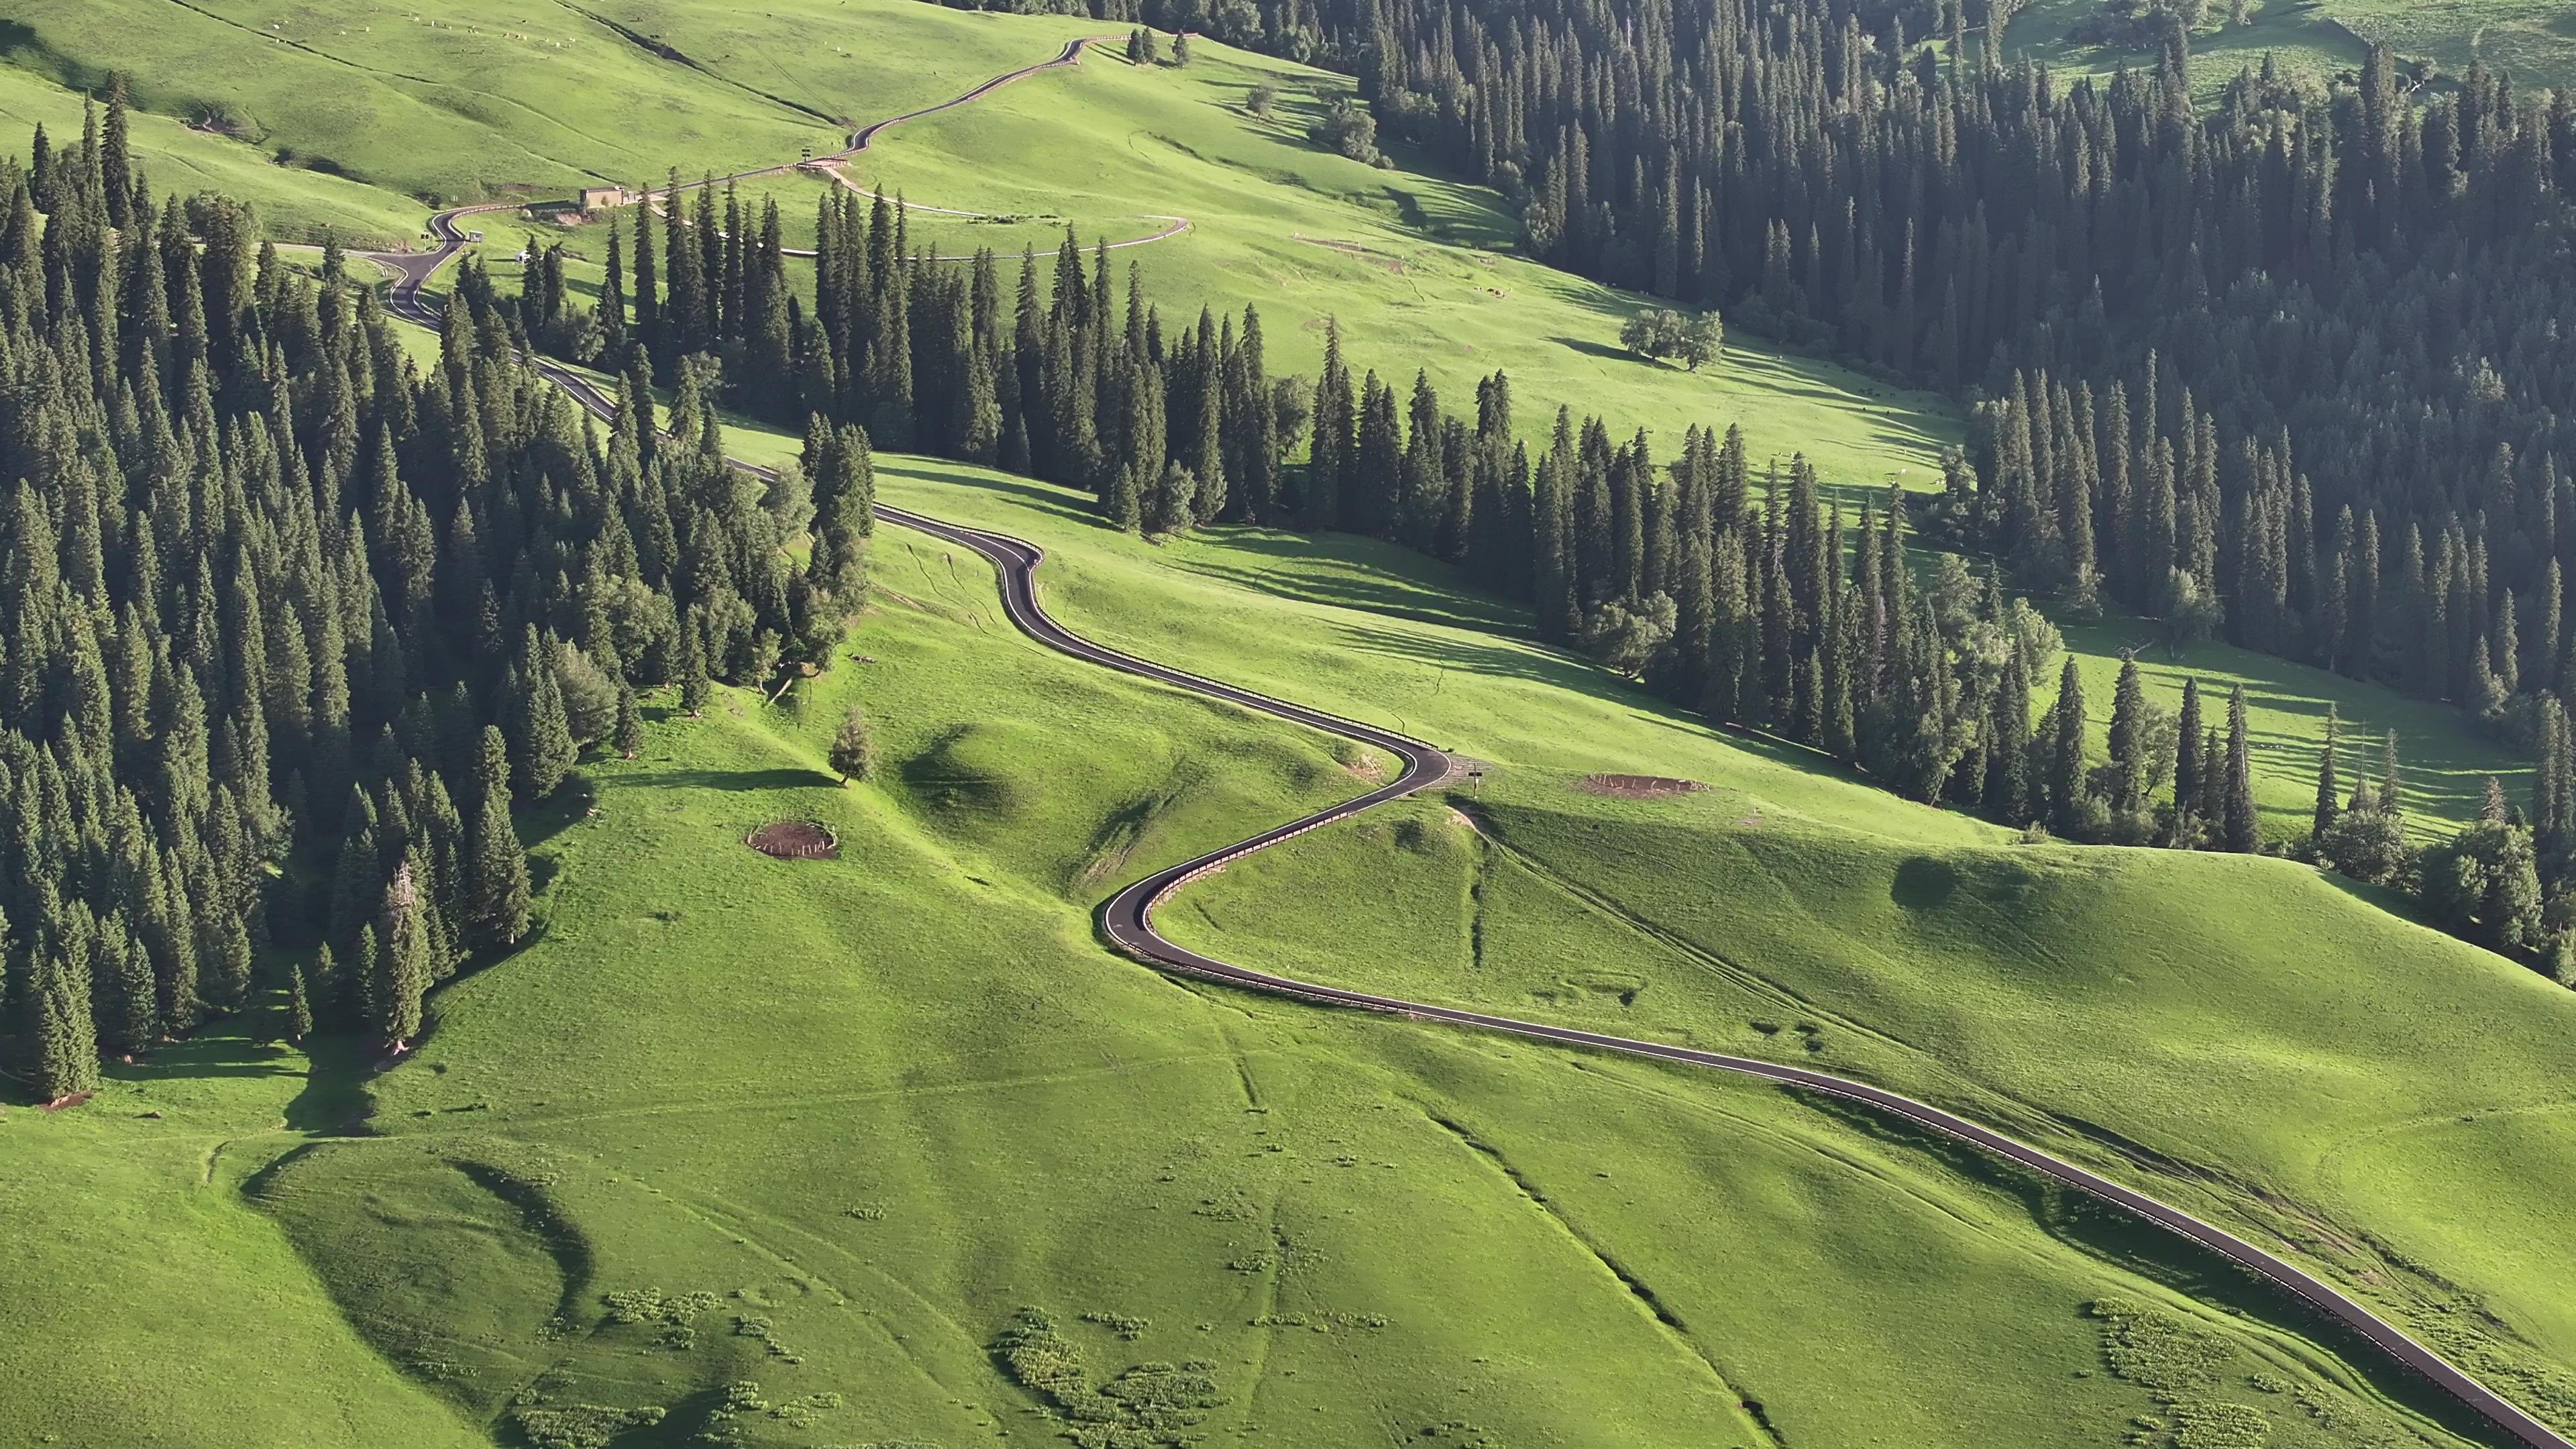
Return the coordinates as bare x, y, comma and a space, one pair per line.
854, 749
1702, 340
2244, 830
1653, 334
1181, 48
2329, 784
299, 1004
695, 689
628, 737
2189, 764
2067, 796
403, 964
2128, 741
2392, 782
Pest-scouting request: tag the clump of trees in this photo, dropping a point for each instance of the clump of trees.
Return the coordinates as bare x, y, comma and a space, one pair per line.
1347, 128
1660, 332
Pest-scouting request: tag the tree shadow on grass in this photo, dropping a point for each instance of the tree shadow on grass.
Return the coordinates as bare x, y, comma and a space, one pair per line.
334, 1100
2109, 1235
229, 1047
1063, 504
1602, 350
567, 807
737, 781
1372, 595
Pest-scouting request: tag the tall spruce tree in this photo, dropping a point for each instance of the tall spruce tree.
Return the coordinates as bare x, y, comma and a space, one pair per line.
496, 863
2244, 830
2329, 784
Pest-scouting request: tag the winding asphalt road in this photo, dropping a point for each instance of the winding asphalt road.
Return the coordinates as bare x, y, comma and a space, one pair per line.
1127, 919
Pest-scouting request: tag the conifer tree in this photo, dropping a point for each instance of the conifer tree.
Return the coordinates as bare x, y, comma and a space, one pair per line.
2391, 783
2007, 784
854, 753
629, 738
2244, 832
2068, 790
2128, 741
403, 962
2190, 764
1126, 501
299, 1004
1169, 511
497, 890
696, 691
66, 1040
2329, 785
365, 975
541, 744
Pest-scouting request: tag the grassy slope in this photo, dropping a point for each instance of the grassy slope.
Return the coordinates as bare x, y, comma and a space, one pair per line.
486, 97
1401, 670
292, 203
141, 1297
2110, 988
2532, 40
880, 1103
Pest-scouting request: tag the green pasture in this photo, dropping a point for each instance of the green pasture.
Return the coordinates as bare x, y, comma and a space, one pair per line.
782, 1149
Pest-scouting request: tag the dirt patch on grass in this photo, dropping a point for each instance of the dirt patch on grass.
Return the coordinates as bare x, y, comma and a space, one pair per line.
1351, 248
1362, 762
795, 840
1639, 787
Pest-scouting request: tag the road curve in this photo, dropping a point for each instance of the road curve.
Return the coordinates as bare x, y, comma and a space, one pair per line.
1127, 917
414, 268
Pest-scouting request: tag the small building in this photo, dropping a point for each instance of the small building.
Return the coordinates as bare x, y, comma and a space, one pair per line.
602, 198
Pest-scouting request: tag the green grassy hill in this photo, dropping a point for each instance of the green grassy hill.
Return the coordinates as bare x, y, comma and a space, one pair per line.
827, 1127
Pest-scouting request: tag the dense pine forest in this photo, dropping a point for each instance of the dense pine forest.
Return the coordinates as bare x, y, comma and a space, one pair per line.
290, 627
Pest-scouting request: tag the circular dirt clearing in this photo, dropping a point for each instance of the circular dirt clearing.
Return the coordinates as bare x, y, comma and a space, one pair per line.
795, 840
1640, 787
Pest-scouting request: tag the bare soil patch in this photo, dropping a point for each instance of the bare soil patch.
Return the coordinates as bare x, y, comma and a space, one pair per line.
795, 840
1640, 787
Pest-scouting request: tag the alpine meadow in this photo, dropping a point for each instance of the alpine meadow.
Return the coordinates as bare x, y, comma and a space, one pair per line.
1507, 724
